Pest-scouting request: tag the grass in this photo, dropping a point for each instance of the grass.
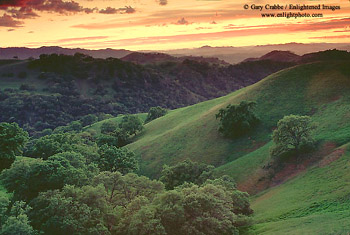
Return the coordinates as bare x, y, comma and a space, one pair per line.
315, 202
316, 89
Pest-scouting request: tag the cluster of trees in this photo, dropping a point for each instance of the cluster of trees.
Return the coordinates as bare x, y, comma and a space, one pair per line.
12, 141
119, 134
74, 186
237, 120
36, 112
155, 112
293, 135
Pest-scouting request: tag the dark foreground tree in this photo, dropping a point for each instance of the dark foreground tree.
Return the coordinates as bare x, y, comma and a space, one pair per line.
108, 127
117, 138
212, 208
154, 113
131, 124
117, 159
73, 210
293, 134
237, 120
186, 171
89, 119
17, 222
27, 177
12, 140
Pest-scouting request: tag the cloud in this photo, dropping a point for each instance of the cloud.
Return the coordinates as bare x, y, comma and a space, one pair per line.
232, 32
10, 30
108, 10
182, 21
8, 21
200, 28
28, 9
162, 2
64, 41
58, 6
13, 3
79, 39
111, 10
22, 13
128, 9
331, 37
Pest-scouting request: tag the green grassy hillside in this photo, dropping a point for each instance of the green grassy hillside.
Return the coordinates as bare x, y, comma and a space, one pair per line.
315, 202
307, 198
317, 89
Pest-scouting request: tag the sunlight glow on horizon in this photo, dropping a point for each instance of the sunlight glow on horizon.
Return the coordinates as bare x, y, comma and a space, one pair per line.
178, 24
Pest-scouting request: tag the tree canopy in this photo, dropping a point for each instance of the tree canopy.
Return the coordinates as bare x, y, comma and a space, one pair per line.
117, 159
293, 134
186, 171
12, 140
131, 124
155, 112
237, 120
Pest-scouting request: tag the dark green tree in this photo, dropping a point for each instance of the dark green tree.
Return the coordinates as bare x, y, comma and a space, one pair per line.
123, 189
131, 124
117, 159
189, 209
117, 138
292, 135
186, 171
108, 127
4, 205
50, 145
73, 210
155, 112
75, 126
122, 137
237, 120
89, 119
103, 139
18, 223
27, 177
12, 140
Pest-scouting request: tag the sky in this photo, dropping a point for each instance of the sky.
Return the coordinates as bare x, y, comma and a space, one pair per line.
169, 24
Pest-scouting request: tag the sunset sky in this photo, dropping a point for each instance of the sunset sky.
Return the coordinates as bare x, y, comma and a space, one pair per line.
164, 24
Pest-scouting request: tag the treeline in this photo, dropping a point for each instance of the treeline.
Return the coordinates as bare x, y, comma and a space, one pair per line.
70, 87
74, 185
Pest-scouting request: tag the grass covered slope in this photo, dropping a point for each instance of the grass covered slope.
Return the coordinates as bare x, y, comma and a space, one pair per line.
315, 202
318, 89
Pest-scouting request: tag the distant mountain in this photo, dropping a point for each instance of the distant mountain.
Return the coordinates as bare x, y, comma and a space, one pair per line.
325, 55
25, 53
238, 54
148, 58
153, 58
285, 56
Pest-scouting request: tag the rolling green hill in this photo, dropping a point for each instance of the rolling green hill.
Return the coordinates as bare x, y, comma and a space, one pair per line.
308, 197
319, 89
315, 202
